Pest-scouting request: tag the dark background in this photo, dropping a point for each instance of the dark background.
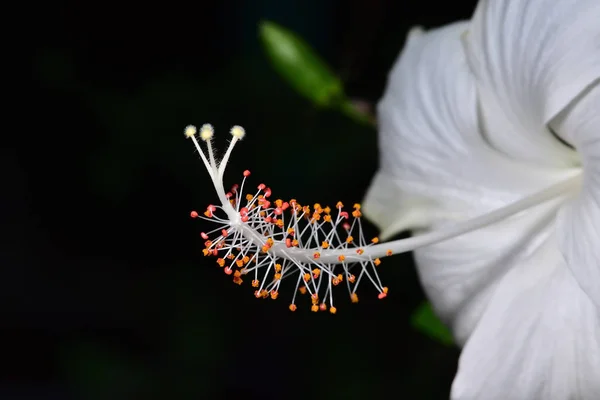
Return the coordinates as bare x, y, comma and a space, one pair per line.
108, 295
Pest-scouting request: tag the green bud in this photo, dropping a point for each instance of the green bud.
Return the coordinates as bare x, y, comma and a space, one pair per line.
299, 64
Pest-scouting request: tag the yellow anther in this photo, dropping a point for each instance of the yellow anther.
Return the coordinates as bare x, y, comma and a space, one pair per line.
249, 197
278, 202
189, 131
237, 131
206, 132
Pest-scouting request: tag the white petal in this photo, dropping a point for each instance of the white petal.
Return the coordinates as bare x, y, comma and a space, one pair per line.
434, 162
579, 221
539, 338
436, 168
531, 59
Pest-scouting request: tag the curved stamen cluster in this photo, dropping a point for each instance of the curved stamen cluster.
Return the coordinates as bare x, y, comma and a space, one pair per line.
271, 240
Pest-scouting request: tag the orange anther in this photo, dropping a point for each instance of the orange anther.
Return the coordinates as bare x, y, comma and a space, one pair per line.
277, 277
249, 197
341, 258
255, 283
388, 253
292, 307
376, 262
316, 272
239, 263
314, 308
375, 240
246, 259
302, 290
206, 252
324, 245
350, 239
356, 206
306, 277
208, 214
351, 278
278, 202
354, 298
356, 214
384, 289
237, 274
314, 298
339, 204
224, 232
221, 262
327, 210
238, 280
194, 214
277, 268
295, 243
274, 294
332, 310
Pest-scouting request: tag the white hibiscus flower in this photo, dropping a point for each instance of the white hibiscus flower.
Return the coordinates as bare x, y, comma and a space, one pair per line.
499, 112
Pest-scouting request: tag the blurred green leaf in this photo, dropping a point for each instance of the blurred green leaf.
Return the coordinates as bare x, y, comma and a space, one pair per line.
425, 321
299, 64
